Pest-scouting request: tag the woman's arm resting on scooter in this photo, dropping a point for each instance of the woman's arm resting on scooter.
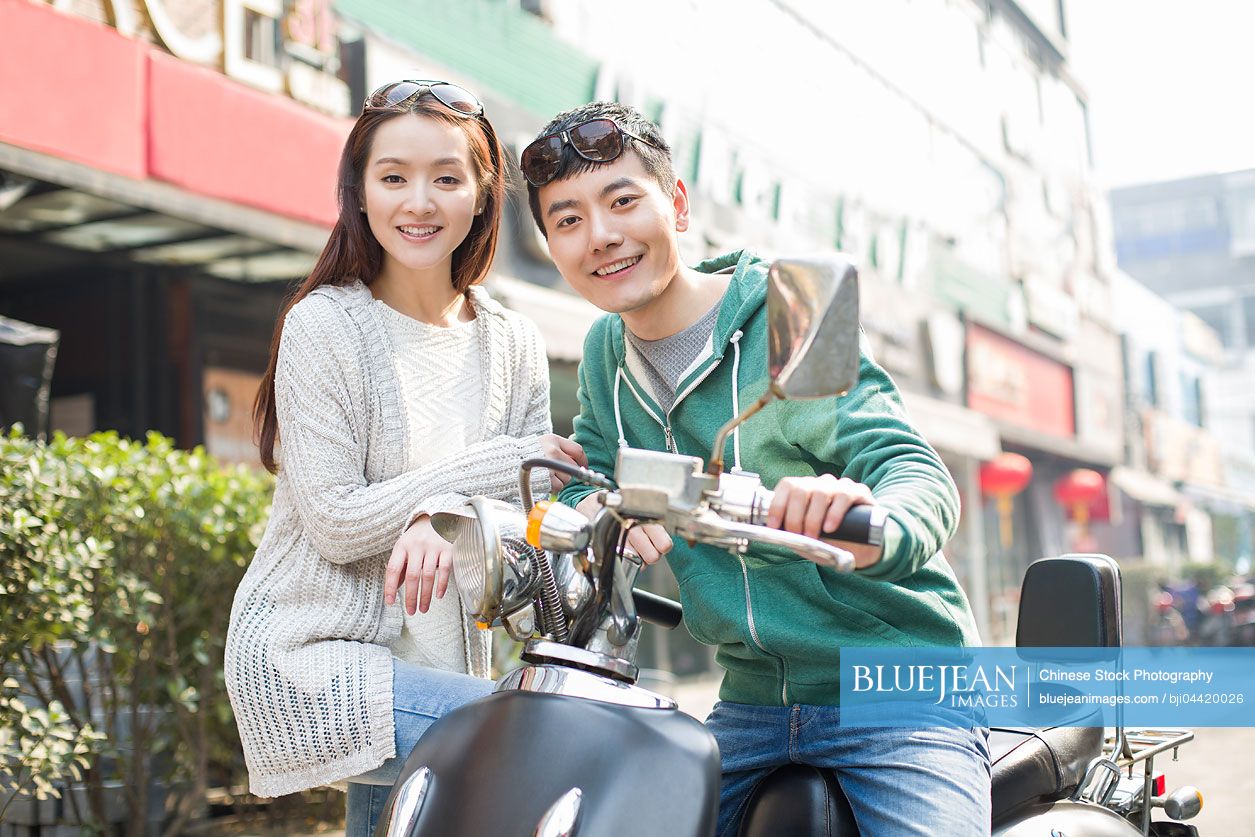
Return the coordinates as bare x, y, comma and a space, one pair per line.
322, 451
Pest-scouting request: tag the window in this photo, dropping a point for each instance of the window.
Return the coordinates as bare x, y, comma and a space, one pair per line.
261, 38
1201, 401
1248, 314
1242, 225
1191, 399
1218, 317
1152, 386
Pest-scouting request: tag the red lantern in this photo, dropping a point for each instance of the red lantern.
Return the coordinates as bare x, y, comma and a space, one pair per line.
1002, 478
1007, 473
1077, 491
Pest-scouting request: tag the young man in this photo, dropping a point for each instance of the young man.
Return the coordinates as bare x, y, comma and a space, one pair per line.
680, 348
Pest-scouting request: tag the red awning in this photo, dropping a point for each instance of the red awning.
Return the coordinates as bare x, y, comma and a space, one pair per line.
80, 91
72, 88
216, 137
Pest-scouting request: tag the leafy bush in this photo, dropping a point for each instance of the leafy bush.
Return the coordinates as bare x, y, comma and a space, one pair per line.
120, 561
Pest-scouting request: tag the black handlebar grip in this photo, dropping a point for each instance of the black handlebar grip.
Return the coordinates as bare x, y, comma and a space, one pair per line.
657, 609
861, 524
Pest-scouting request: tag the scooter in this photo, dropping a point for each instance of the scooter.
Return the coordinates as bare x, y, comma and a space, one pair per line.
1217, 626
1081, 780
569, 744
1167, 627
1244, 613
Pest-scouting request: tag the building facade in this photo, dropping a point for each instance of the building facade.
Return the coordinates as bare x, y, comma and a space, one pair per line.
1192, 241
1171, 455
943, 143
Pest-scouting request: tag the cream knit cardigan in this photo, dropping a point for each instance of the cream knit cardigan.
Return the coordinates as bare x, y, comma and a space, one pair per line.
308, 668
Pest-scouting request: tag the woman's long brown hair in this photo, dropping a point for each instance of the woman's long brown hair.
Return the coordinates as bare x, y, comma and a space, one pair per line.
352, 252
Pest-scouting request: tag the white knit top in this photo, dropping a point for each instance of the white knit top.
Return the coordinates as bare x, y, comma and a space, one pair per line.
435, 367
308, 666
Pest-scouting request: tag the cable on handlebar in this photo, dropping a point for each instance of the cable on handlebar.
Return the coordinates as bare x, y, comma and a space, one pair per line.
585, 475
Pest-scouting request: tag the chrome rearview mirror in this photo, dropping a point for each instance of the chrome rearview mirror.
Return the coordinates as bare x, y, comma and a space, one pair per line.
812, 327
812, 335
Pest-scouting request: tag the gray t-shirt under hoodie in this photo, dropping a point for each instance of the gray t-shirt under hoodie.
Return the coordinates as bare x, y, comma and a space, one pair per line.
665, 360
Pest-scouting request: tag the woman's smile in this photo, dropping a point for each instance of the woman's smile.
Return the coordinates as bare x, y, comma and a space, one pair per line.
419, 234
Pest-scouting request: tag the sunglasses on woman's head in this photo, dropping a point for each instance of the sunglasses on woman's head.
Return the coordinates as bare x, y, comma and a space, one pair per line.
597, 140
457, 99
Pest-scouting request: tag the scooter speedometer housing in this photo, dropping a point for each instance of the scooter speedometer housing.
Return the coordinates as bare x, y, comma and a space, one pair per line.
493, 564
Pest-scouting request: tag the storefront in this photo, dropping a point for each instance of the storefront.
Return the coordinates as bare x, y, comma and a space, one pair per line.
1215, 516
152, 212
1063, 505
166, 171
923, 349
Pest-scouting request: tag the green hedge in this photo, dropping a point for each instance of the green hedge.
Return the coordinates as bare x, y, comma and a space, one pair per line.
120, 560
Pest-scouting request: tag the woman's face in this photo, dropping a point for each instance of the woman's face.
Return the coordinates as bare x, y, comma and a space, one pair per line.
419, 191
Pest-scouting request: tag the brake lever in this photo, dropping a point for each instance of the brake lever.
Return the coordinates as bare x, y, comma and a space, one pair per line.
708, 527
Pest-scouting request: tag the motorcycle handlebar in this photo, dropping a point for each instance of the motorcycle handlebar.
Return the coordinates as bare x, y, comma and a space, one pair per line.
582, 474
709, 527
861, 524
657, 609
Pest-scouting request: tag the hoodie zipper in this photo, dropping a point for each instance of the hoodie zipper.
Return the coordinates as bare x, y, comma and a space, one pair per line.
671, 446
758, 643
745, 574
666, 424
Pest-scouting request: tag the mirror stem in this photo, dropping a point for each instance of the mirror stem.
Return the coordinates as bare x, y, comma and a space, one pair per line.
715, 466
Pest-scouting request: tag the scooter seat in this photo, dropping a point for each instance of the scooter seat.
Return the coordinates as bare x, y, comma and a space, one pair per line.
800, 800
1039, 765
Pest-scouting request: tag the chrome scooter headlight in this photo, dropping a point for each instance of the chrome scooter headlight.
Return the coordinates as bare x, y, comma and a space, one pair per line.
494, 567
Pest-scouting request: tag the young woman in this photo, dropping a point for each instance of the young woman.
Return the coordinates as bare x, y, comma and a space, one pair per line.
396, 388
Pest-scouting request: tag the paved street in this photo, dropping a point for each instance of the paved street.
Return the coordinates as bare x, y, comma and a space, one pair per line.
1219, 763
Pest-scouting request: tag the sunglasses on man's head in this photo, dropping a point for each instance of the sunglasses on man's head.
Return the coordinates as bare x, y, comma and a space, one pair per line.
597, 140
457, 99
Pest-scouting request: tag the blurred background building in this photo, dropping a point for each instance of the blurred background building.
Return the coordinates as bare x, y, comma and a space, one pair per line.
1192, 241
168, 168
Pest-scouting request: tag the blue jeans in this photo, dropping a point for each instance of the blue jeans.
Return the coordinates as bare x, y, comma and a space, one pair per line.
420, 697
899, 781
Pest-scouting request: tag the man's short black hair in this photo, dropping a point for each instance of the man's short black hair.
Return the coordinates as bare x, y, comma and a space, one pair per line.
656, 160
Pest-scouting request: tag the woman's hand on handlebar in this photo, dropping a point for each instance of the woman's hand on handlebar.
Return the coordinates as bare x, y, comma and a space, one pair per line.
422, 561
812, 505
562, 449
649, 541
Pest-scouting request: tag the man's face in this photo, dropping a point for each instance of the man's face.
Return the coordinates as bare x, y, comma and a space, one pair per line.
612, 233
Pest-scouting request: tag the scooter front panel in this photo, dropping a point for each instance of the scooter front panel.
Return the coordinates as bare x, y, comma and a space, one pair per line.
499, 764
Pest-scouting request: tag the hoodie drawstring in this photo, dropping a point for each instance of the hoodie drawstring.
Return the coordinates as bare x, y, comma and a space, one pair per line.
736, 401
735, 340
618, 417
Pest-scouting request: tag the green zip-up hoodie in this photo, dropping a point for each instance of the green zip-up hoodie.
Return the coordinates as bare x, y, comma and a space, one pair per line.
780, 621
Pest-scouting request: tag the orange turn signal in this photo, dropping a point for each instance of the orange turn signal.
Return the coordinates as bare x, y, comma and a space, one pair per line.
534, 517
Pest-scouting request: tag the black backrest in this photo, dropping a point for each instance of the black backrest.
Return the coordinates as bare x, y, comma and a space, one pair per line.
1070, 601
